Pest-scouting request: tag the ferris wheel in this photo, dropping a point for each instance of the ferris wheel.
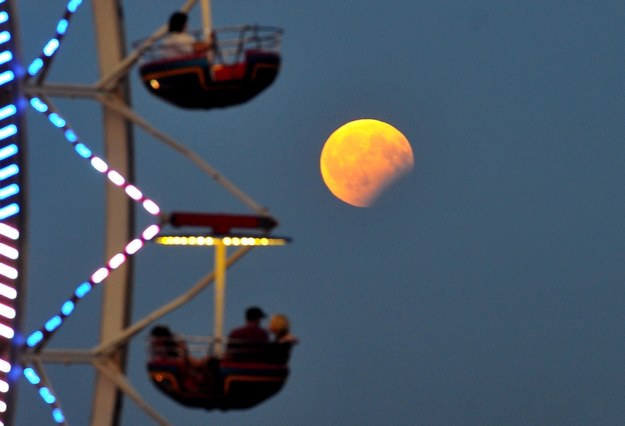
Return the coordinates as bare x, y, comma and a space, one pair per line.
229, 72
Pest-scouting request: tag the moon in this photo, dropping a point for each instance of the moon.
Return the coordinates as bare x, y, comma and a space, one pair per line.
363, 158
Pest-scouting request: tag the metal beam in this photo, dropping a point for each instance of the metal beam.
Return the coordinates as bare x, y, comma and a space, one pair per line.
117, 294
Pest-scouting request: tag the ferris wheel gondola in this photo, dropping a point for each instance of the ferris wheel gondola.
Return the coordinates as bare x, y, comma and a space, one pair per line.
236, 64
247, 373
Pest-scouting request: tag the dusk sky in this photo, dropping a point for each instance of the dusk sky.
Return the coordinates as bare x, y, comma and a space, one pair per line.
484, 288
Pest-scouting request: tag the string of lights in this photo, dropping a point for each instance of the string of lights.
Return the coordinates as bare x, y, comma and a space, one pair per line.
11, 209
50, 48
37, 338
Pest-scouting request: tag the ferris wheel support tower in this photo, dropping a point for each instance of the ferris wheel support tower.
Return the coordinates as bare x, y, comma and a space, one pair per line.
117, 295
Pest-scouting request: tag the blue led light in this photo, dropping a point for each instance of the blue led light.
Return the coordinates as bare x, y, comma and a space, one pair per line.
9, 191
70, 135
57, 120
31, 376
10, 210
57, 415
9, 171
38, 104
3, 17
8, 131
51, 47
33, 339
73, 5
8, 151
83, 289
82, 150
61, 27
47, 395
6, 77
5, 36
7, 111
5, 57
67, 308
35, 66
53, 323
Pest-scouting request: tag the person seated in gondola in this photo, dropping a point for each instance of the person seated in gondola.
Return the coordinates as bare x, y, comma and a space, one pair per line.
164, 345
249, 342
196, 374
280, 348
178, 42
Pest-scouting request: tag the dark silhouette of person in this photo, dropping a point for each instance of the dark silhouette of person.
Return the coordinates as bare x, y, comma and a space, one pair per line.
249, 342
178, 42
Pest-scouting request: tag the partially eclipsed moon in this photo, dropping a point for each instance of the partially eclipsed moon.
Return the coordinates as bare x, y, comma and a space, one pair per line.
362, 158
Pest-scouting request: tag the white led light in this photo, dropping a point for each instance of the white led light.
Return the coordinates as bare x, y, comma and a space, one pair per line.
134, 246
151, 207
9, 231
116, 178
8, 292
99, 275
6, 331
133, 192
99, 164
150, 232
117, 260
7, 311
8, 271
8, 251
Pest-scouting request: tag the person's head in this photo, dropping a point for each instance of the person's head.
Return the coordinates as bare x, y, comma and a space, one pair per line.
161, 331
177, 22
254, 314
279, 324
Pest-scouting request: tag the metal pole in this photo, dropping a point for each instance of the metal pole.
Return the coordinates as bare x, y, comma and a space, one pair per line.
220, 295
207, 24
117, 294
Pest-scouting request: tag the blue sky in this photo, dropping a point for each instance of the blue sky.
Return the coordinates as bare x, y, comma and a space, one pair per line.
484, 288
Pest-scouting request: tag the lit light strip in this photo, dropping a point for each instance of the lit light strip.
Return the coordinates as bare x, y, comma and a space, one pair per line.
45, 393
195, 240
97, 163
38, 337
53, 44
10, 206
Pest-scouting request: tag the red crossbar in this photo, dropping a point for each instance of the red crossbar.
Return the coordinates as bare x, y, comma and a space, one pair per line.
220, 222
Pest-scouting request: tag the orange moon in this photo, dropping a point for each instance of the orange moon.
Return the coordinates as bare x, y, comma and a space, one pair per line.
363, 158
